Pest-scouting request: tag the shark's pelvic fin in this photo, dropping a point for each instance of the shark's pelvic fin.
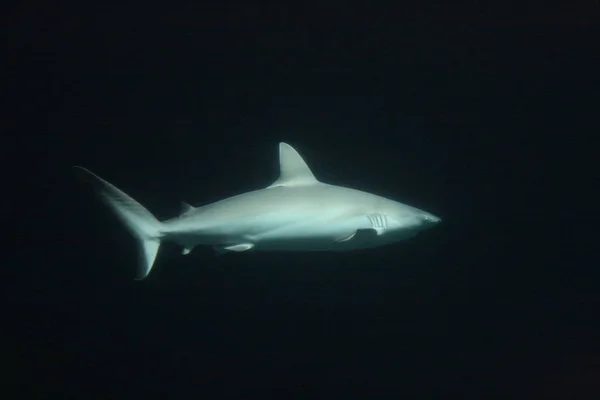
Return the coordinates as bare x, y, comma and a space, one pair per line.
239, 247
293, 171
220, 250
140, 222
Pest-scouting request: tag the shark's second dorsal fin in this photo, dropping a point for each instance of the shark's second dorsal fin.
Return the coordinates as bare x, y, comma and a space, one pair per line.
293, 171
185, 207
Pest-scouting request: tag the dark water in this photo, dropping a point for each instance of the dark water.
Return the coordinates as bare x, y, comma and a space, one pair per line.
481, 117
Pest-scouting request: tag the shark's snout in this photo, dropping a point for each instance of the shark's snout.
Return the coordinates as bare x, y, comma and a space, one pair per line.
432, 219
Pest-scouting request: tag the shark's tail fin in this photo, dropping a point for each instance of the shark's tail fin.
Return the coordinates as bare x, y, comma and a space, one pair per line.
140, 222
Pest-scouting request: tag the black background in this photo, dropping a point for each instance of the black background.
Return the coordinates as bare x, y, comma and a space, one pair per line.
480, 113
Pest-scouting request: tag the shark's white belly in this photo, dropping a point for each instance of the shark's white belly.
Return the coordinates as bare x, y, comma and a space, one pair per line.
310, 233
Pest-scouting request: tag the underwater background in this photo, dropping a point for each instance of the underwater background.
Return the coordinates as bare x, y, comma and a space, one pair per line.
484, 116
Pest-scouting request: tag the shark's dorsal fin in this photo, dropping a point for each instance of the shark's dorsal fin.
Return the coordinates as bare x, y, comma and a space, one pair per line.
293, 171
185, 207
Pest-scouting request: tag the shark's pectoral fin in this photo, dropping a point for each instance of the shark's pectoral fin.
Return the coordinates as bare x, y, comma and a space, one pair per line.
360, 235
234, 247
346, 238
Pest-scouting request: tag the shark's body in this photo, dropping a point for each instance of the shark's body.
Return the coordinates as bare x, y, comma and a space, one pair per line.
296, 213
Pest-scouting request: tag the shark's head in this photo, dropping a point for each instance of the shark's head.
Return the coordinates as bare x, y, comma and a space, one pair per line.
406, 221
389, 220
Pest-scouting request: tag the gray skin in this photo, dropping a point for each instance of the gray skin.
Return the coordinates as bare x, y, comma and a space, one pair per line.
295, 213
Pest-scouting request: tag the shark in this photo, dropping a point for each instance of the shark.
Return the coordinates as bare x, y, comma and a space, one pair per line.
297, 212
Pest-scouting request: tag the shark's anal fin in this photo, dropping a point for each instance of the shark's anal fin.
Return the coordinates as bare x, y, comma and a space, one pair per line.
293, 170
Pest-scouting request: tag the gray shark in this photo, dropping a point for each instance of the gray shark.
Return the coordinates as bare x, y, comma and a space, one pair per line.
295, 213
